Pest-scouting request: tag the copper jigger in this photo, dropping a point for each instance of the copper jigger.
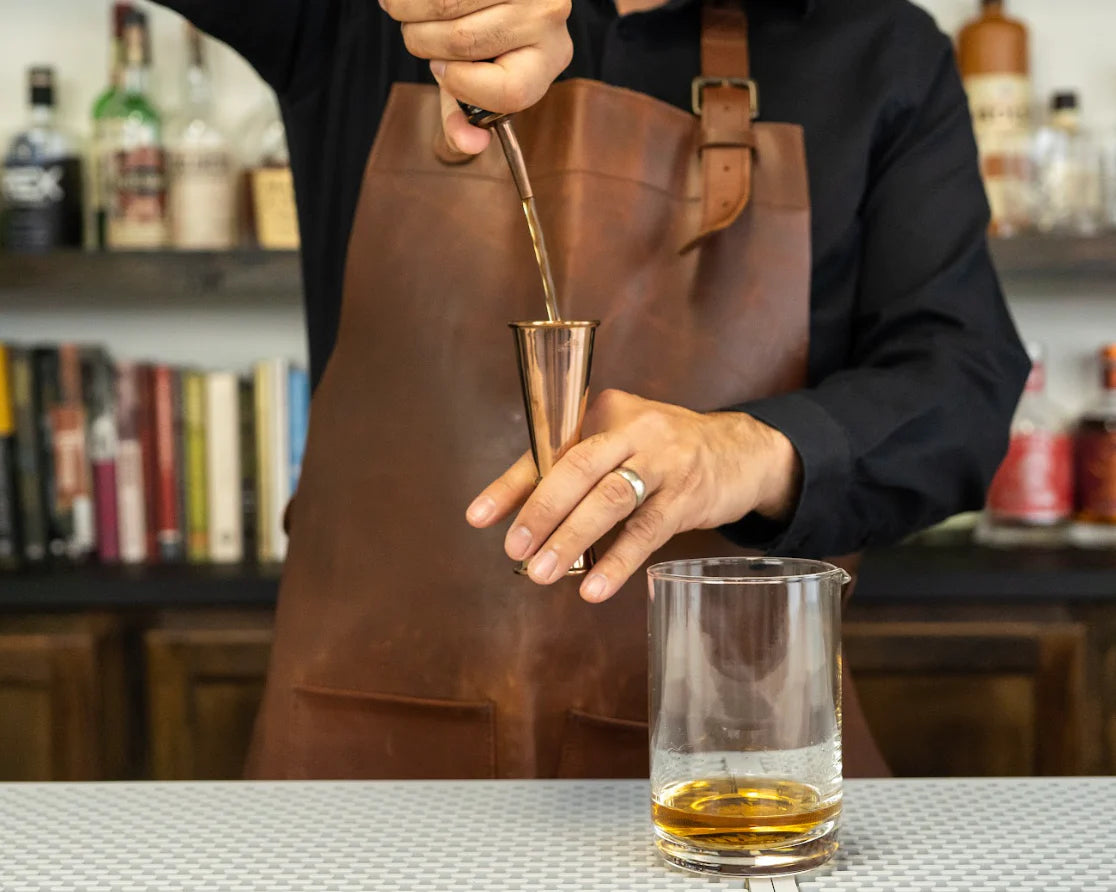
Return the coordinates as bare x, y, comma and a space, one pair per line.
555, 359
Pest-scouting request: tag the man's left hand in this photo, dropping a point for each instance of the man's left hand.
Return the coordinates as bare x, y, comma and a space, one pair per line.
701, 471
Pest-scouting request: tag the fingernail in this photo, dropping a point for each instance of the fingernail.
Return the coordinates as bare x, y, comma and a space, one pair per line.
438, 68
595, 587
544, 565
518, 543
482, 509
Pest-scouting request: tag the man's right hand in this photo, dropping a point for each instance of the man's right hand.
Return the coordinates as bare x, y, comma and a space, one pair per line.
500, 55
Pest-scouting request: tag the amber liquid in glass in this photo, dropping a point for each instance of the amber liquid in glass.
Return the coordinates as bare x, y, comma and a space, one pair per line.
752, 813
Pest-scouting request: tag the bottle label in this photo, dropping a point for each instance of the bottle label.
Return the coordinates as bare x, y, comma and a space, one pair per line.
1001, 109
1096, 474
139, 199
274, 200
201, 199
1035, 482
42, 205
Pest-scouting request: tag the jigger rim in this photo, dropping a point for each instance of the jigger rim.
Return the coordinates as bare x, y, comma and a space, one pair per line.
546, 323
685, 571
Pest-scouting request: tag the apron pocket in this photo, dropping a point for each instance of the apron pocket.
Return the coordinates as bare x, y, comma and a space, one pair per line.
595, 746
339, 734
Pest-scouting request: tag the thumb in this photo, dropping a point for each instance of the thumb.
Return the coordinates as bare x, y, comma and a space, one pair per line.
460, 134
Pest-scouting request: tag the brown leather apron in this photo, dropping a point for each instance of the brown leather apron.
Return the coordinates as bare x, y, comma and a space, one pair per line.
405, 645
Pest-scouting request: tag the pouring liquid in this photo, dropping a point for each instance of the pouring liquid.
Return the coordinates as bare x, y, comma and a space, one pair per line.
538, 241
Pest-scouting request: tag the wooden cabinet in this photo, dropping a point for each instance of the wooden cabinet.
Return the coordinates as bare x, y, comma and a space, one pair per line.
972, 698
205, 678
63, 712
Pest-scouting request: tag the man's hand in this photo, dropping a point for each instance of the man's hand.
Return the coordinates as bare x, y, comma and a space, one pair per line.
501, 55
701, 471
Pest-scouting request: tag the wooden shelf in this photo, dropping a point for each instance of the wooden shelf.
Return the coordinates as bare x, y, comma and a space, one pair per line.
1056, 257
257, 275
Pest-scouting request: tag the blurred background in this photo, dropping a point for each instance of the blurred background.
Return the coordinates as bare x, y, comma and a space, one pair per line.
153, 404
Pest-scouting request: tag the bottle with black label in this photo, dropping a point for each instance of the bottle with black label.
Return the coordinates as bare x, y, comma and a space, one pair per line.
42, 180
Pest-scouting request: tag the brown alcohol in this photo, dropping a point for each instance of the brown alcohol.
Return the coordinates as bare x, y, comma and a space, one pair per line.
1096, 452
538, 242
750, 814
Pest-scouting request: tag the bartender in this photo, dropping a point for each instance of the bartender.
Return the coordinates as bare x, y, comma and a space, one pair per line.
406, 647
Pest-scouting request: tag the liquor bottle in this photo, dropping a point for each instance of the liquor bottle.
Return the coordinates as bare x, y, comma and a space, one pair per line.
1030, 501
201, 188
137, 199
994, 60
42, 185
106, 135
274, 214
1068, 172
1095, 525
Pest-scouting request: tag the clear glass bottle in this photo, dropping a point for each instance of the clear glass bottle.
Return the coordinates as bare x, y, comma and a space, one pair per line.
106, 131
201, 187
41, 179
138, 192
1095, 524
1030, 501
1069, 193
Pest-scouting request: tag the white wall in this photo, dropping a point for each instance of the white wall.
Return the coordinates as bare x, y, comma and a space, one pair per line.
1072, 46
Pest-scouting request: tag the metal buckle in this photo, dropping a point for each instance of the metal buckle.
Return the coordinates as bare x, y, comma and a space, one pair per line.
697, 89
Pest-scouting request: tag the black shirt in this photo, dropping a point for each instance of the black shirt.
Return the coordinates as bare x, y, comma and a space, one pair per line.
915, 366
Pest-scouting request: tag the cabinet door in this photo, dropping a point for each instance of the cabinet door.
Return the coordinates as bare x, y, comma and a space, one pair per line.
972, 698
62, 703
204, 688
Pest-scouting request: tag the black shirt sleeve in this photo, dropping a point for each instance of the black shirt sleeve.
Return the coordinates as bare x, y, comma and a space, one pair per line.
286, 41
914, 429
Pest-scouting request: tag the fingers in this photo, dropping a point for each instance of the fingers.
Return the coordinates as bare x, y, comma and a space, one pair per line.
610, 501
434, 10
460, 134
503, 495
645, 532
514, 82
486, 35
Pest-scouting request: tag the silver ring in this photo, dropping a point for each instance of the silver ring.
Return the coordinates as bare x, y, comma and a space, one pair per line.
637, 484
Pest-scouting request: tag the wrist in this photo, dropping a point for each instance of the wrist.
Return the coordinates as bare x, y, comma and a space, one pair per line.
769, 459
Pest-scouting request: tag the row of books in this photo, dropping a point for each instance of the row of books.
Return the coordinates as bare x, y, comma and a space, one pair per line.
126, 462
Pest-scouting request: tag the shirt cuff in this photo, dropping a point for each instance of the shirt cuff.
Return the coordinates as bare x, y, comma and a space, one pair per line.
827, 465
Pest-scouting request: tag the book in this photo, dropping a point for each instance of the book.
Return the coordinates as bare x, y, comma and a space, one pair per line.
222, 467
9, 505
168, 530
272, 451
48, 390
73, 473
248, 466
99, 385
261, 393
298, 390
149, 456
29, 482
178, 401
197, 525
130, 499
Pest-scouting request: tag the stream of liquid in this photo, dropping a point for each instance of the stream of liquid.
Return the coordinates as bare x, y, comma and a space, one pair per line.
538, 241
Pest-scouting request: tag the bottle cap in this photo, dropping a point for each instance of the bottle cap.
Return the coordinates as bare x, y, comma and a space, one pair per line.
1065, 100
40, 80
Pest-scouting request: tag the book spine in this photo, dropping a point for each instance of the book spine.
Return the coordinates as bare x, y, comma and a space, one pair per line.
150, 460
222, 428
59, 518
248, 467
264, 550
168, 532
73, 472
279, 431
9, 509
299, 419
103, 448
29, 484
130, 499
193, 387
178, 401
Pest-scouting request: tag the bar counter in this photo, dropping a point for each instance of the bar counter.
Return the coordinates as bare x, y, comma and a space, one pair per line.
1045, 835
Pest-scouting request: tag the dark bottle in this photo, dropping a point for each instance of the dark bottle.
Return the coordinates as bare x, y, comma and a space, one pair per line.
42, 180
1096, 464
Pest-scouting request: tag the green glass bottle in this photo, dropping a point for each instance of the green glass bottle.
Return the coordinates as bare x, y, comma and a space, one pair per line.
104, 136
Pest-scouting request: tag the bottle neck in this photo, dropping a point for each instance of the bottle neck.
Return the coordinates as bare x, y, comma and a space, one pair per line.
199, 94
134, 80
1068, 119
42, 116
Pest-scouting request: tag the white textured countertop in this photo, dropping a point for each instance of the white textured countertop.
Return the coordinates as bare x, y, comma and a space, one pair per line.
1054, 835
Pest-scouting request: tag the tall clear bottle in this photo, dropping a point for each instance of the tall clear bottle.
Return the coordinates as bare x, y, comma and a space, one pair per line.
1069, 193
1030, 501
106, 132
41, 179
138, 191
201, 188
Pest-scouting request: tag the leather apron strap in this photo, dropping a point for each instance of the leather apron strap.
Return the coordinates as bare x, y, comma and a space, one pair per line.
727, 100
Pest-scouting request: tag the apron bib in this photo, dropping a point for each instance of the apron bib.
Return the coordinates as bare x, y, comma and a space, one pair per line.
405, 645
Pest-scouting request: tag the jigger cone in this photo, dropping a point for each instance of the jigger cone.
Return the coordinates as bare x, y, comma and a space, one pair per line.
555, 359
